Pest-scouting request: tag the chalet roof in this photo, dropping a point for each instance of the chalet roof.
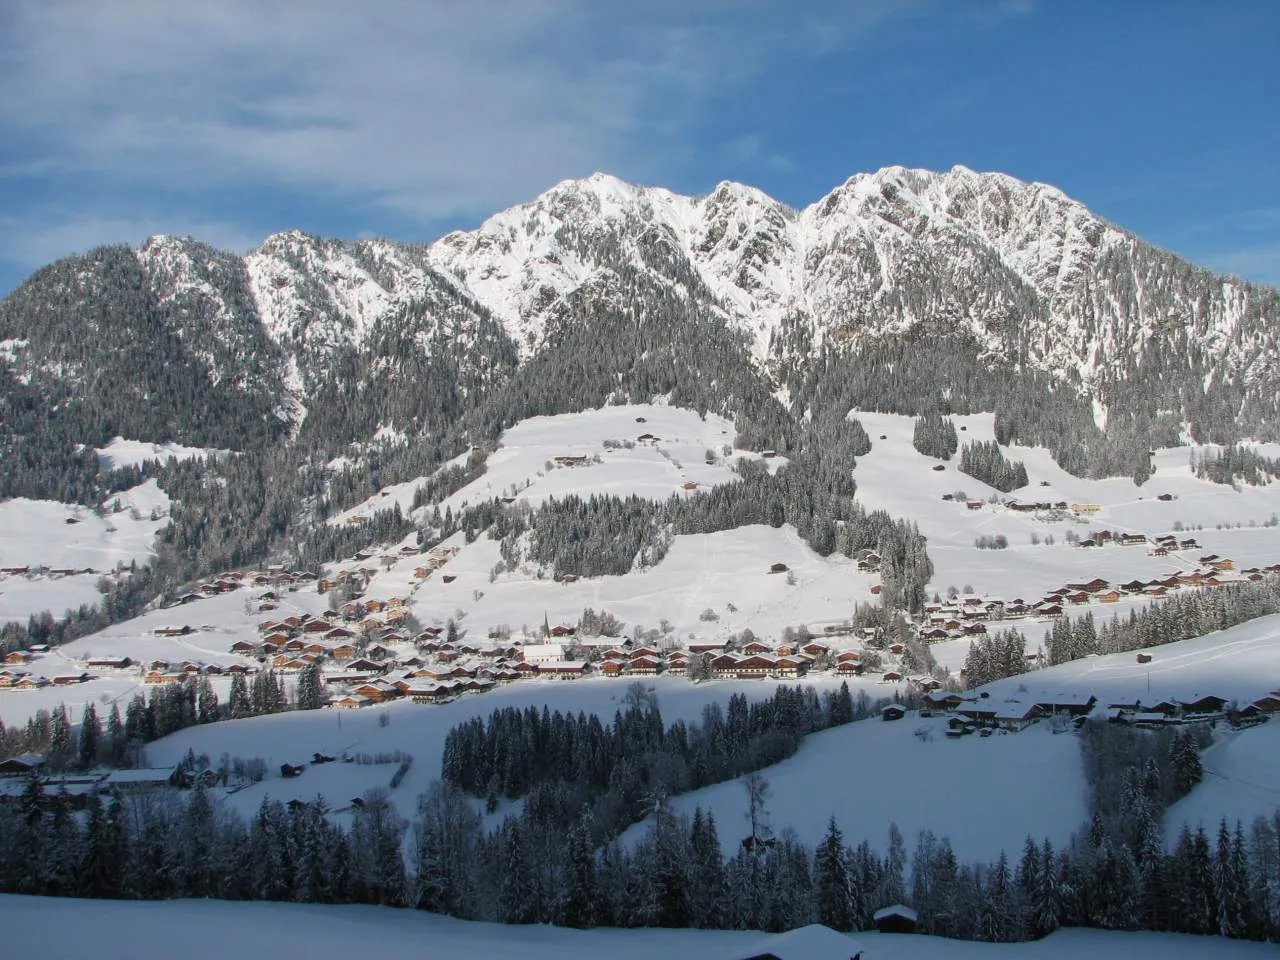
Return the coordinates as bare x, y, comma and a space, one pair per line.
1073, 699
814, 942
896, 910
156, 775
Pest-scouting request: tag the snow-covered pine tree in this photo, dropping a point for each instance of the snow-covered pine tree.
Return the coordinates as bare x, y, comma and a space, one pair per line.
90, 738
833, 881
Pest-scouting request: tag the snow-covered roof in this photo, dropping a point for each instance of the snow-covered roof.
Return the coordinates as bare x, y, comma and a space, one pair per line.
141, 775
896, 910
814, 942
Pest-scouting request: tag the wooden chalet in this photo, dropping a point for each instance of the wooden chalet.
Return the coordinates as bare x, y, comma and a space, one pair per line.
705, 646
109, 663
563, 669
349, 701
1209, 704
1071, 704
646, 666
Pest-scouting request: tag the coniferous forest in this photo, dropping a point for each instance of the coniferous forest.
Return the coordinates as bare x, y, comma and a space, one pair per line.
560, 859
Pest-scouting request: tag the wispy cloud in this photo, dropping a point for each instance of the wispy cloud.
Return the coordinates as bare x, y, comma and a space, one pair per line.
423, 112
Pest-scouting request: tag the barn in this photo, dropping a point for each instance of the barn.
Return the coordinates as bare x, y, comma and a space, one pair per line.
896, 919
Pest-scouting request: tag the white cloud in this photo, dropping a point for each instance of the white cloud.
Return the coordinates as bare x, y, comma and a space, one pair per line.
415, 112
432, 109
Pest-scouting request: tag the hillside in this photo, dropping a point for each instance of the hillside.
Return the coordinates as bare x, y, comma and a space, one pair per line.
1039, 300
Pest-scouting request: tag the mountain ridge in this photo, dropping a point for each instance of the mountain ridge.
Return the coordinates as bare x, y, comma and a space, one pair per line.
1016, 274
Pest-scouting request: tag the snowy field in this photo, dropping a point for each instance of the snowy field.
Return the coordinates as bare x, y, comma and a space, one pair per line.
62, 929
524, 468
1242, 662
121, 453
894, 477
726, 572
419, 730
42, 533
1241, 782
985, 793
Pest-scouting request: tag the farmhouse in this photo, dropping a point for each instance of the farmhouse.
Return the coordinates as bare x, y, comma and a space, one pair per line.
109, 663
896, 919
563, 669
1072, 704
349, 701
140, 780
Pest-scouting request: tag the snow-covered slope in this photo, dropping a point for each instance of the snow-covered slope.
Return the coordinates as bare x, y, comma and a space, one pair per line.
124, 930
1020, 267
984, 794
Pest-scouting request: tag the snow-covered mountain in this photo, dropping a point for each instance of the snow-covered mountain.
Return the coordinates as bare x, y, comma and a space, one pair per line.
1020, 273
1021, 268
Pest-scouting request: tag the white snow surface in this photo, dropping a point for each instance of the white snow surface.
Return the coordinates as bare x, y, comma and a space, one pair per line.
39, 533
1241, 782
416, 729
133, 453
129, 930
985, 794
895, 478
654, 469
1241, 663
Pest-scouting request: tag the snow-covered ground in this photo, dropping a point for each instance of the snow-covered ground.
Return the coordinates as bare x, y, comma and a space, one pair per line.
416, 729
59, 536
1242, 663
133, 453
209, 930
1241, 782
986, 794
524, 466
894, 477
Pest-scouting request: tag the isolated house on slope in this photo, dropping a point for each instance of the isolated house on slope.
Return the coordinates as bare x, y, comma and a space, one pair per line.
814, 942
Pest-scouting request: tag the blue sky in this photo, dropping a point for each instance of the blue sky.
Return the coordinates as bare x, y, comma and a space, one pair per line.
235, 119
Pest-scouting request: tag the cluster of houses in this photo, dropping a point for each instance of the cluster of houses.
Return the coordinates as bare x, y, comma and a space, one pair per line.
968, 616
15, 676
969, 712
1205, 708
46, 571
231, 580
16, 772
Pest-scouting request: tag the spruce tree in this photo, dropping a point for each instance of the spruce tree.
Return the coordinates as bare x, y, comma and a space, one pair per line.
239, 704
90, 738
832, 878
